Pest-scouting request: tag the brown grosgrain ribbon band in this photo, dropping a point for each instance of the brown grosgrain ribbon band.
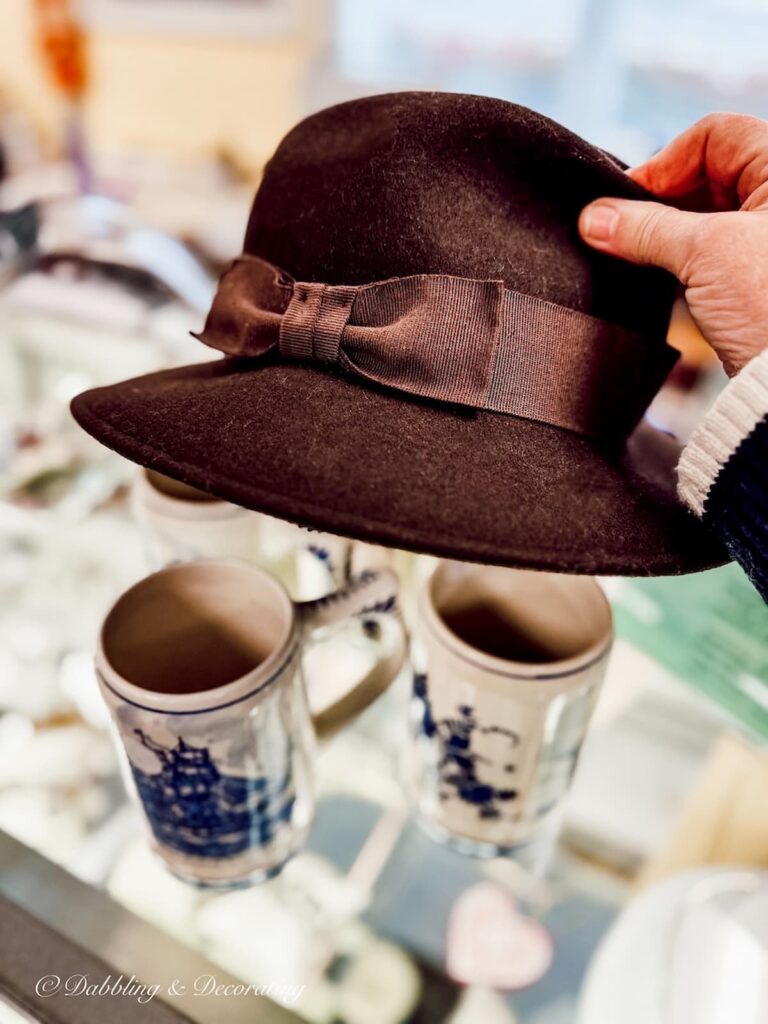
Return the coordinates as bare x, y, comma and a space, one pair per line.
453, 339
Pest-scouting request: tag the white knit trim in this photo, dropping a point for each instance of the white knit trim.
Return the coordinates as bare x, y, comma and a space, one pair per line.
735, 414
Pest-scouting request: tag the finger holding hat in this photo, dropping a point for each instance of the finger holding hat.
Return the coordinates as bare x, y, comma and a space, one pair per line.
718, 253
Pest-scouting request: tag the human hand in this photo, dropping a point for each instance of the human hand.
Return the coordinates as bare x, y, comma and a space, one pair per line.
719, 168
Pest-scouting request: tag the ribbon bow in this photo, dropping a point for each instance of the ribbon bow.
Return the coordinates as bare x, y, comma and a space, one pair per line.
469, 342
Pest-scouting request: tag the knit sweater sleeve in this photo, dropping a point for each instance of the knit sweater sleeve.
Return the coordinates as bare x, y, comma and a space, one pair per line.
722, 471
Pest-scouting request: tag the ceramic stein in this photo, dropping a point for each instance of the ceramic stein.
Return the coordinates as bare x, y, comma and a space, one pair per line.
508, 664
200, 665
179, 523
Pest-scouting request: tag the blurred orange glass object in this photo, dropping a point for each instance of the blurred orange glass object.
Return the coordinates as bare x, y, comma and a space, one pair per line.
685, 336
63, 44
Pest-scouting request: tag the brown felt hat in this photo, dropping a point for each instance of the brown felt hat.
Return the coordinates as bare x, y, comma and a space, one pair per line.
420, 351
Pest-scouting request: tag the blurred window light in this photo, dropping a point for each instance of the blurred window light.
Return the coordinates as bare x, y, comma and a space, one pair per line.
627, 75
382, 37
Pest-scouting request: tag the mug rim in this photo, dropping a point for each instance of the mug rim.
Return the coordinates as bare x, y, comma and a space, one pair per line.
225, 695
167, 506
554, 671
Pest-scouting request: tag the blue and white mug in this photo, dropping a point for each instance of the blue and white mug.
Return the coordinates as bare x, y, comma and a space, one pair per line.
200, 665
179, 523
507, 668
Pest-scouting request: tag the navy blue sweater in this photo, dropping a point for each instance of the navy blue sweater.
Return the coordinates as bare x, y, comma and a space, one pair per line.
722, 472
737, 506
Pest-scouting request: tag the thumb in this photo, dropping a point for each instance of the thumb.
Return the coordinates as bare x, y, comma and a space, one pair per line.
642, 232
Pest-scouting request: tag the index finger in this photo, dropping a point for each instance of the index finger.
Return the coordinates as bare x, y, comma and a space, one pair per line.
727, 152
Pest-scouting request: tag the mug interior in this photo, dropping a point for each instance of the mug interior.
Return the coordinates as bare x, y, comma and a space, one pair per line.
195, 627
519, 616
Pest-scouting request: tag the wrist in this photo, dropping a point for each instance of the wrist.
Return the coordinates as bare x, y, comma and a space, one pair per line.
739, 360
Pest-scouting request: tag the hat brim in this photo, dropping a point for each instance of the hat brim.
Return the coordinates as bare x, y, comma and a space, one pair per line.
326, 451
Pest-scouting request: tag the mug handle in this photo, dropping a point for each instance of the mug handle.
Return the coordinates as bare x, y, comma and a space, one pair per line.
372, 597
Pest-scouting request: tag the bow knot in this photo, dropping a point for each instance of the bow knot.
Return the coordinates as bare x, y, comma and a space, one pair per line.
314, 321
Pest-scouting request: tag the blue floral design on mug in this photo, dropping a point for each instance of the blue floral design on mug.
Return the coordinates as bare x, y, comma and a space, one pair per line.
459, 764
196, 808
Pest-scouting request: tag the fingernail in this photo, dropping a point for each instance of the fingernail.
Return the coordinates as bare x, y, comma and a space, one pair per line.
600, 222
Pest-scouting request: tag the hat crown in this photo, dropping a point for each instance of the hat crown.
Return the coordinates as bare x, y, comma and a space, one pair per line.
440, 183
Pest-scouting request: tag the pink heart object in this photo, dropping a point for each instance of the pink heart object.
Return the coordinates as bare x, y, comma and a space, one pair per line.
492, 944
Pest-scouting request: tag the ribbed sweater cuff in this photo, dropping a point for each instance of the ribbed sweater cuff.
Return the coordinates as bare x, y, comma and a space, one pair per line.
737, 411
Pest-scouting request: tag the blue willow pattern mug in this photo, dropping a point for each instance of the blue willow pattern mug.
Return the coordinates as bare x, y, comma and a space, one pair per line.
200, 665
507, 668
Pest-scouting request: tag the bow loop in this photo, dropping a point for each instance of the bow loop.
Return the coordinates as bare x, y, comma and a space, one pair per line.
247, 309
